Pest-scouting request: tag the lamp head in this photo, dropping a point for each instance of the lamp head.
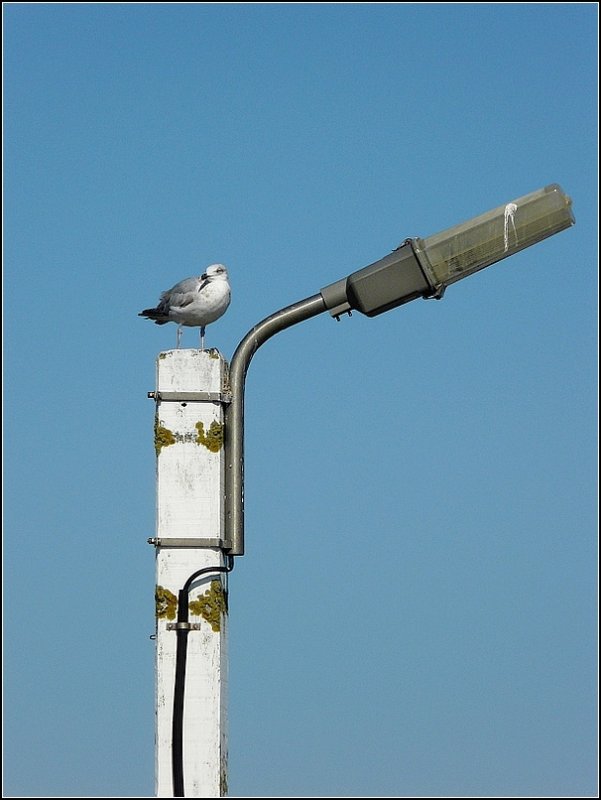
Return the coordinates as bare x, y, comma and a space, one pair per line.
425, 267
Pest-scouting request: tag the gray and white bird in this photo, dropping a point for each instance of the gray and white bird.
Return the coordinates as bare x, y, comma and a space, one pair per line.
194, 302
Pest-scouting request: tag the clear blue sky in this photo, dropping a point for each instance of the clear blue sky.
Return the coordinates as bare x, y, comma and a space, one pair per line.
416, 612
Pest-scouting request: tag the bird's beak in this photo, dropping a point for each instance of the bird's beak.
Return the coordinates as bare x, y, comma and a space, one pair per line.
203, 277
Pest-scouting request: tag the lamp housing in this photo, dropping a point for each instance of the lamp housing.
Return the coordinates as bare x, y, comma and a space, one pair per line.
425, 267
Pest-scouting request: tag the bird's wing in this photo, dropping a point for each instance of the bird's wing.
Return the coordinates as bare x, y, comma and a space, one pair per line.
185, 286
175, 300
182, 294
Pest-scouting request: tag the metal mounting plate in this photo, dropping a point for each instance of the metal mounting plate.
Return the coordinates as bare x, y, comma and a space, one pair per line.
191, 397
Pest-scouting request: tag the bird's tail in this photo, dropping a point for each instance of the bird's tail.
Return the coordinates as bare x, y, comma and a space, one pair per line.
155, 315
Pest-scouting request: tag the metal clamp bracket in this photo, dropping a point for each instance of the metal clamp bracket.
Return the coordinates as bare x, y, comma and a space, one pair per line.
191, 397
172, 542
183, 626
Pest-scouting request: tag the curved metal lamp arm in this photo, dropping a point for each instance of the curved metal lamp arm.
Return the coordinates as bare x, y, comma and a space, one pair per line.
234, 415
418, 268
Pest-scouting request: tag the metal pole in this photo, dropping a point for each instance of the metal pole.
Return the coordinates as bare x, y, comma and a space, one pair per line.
234, 415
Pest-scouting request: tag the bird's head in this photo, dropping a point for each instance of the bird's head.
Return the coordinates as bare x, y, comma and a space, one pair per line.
215, 272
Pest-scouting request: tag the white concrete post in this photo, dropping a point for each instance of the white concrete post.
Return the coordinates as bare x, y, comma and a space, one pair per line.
188, 434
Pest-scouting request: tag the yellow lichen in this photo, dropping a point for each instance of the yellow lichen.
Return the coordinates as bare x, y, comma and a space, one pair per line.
213, 438
166, 603
211, 605
163, 437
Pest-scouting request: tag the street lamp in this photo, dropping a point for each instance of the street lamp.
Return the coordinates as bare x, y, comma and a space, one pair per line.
417, 268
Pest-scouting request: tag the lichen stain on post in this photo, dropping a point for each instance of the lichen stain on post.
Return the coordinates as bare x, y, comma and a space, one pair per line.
163, 437
166, 603
211, 605
213, 439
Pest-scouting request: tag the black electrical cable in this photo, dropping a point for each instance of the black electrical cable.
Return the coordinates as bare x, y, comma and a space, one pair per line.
182, 630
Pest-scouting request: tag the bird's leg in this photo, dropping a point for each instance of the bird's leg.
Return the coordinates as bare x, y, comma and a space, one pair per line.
179, 335
202, 337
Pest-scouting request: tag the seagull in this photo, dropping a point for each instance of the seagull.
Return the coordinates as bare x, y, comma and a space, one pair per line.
194, 302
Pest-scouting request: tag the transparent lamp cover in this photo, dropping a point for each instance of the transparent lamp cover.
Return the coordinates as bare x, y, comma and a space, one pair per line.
457, 252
